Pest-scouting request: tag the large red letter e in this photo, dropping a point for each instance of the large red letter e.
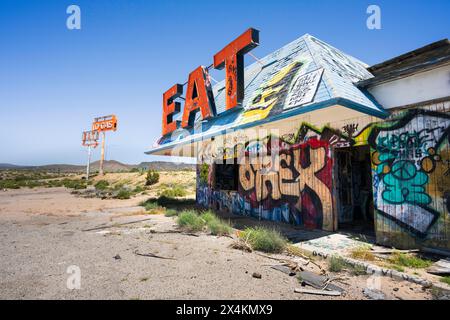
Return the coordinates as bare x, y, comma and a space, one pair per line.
170, 108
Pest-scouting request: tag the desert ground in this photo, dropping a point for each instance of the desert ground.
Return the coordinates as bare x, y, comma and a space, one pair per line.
123, 252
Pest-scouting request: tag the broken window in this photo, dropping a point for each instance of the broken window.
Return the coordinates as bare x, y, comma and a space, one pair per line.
226, 176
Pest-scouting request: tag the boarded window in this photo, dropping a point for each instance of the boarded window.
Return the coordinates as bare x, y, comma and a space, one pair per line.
226, 176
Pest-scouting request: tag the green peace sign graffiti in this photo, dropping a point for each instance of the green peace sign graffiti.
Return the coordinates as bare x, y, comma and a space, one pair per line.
405, 184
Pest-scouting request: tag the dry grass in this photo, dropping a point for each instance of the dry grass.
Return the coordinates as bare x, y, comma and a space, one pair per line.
262, 239
363, 253
298, 252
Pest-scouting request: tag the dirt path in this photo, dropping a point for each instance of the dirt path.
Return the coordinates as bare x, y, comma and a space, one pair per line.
41, 236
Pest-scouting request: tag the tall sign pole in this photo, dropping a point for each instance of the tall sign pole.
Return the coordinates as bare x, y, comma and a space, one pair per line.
103, 124
102, 158
88, 167
89, 139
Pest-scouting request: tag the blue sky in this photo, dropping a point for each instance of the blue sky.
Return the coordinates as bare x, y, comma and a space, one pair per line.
53, 81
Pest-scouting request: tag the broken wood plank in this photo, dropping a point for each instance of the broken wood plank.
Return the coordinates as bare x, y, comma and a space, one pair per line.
285, 269
175, 231
116, 225
151, 255
390, 251
317, 291
318, 281
441, 267
444, 253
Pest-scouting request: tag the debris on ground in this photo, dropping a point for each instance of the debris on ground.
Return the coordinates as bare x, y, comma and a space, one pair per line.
175, 231
116, 225
241, 245
441, 252
117, 257
374, 294
318, 291
390, 251
151, 255
256, 275
441, 267
318, 281
285, 269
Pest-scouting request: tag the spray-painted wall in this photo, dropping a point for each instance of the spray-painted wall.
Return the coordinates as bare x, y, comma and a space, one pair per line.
410, 174
411, 178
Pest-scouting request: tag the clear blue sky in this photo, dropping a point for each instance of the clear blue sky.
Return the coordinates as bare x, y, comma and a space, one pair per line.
53, 81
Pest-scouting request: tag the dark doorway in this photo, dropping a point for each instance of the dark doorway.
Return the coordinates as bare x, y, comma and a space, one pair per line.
226, 176
353, 178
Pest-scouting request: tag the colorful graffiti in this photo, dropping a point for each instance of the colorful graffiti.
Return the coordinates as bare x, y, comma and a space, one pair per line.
406, 154
295, 186
269, 97
410, 158
287, 88
303, 181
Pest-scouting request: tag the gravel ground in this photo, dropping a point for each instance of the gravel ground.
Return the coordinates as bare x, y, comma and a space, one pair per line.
42, 235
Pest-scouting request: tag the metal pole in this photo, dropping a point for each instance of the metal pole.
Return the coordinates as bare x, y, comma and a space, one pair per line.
88, 164
103, 153
261, 199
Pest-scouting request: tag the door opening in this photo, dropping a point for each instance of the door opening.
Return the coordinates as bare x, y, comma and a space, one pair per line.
354, 190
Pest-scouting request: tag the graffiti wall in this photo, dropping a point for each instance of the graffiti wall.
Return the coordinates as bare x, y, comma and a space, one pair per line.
411, 178
299, 192
410, 159
292, 185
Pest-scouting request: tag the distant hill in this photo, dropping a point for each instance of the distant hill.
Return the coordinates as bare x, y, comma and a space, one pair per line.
8, 166
108, 166
165, 166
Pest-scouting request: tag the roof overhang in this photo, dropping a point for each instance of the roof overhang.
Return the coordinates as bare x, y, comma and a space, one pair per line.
287, 120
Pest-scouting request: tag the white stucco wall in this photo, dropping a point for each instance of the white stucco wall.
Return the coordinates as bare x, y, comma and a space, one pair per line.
424, 86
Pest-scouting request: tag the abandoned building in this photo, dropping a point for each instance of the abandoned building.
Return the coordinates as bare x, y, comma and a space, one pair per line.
323, 141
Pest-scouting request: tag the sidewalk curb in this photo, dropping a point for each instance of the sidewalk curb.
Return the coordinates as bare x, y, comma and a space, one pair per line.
385, 272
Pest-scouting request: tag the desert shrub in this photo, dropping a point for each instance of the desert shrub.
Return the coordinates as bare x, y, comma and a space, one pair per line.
204, 173
409, 260
446, 280
171, 213
9, 184
74, 184
123, 194
150, 205
152, 177
208, 216
337, 264
138, 189
175, 192
362, 252
266, 240
215, 225
190, 220
102, 185
219, 227
358, 270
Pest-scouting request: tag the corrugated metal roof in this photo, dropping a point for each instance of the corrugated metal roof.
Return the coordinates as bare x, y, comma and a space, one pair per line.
295, 78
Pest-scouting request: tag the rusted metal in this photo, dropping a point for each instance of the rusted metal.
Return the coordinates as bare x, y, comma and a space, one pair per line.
90, 139
199, 96
170, 108
232, 58
106, 123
